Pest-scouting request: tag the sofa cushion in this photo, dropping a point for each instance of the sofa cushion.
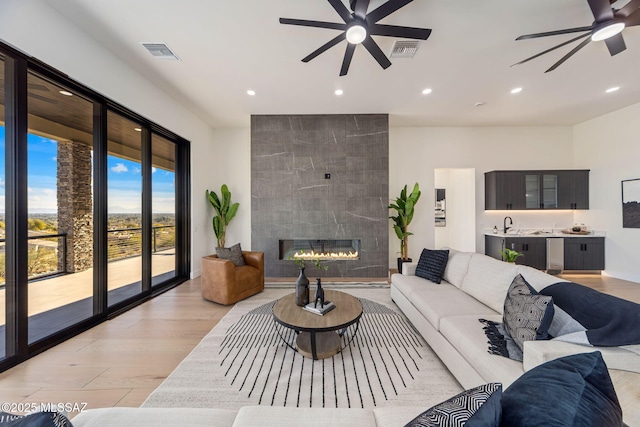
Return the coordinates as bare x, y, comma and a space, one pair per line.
233, 254
466, 335
457, 267
536, 278
477, 407
437, 301
252, 416
574, 391
488, 279
432, 264
155, 417
527, 314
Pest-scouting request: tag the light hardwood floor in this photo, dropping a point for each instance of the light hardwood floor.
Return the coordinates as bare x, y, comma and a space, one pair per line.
120, 362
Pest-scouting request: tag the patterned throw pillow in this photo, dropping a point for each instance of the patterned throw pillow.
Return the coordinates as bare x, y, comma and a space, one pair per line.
35, 419
233, 254
527, 314
432, 264
476, 407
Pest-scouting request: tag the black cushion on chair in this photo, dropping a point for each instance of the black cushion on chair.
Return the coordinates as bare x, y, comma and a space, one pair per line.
432, 264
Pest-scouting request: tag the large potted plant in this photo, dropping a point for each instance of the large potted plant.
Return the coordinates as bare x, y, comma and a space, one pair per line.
225, 211
404, 207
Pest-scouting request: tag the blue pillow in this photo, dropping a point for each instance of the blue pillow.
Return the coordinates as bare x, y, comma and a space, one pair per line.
432, 264
572, 391
476, 407
35, 419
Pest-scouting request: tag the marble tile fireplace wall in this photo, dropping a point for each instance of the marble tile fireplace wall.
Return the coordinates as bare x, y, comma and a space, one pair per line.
321, 177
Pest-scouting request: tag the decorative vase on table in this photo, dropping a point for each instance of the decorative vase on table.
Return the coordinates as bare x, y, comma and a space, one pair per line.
302, 289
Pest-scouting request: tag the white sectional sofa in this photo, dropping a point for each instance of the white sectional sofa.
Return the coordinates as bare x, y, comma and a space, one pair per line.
249, 416
446, 314
474, 287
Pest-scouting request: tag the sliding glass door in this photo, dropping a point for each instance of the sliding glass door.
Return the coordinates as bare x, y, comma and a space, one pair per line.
124, 208
60, 207
3, 295
163, 206
94, 208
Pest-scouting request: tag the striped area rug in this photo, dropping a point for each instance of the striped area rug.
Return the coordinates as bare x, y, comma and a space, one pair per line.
245, 361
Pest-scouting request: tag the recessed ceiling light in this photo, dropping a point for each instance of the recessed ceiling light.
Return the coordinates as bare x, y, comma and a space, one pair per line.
339, 92
516, 90
137, 129
426, 91
251, 92
65, 93
612, 89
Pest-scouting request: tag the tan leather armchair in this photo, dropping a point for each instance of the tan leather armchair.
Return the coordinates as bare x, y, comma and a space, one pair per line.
224, 283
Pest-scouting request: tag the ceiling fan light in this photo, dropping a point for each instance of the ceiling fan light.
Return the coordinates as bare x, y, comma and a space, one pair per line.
356, 34
608, 30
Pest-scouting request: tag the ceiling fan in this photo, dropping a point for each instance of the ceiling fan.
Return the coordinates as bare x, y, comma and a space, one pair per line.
358, 27
608, 25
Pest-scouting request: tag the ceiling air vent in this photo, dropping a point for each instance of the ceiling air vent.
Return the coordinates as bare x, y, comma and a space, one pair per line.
405, 48
160, 51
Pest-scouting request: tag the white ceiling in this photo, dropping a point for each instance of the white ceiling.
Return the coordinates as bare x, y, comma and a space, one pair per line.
229, 46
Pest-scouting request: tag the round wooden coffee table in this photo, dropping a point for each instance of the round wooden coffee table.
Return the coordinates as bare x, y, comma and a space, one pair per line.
318, 337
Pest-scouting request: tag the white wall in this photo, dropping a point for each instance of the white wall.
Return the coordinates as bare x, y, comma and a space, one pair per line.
460, 195
38, 30
414, 154
609, 146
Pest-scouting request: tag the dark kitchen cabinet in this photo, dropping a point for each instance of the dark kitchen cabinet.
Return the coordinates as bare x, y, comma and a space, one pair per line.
573, 189
534, 249
584, 253
504, 190
536, 190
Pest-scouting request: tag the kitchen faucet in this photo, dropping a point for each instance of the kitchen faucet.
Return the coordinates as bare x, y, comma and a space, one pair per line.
505, 223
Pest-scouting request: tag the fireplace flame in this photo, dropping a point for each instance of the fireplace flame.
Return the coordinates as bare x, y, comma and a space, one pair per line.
326, 255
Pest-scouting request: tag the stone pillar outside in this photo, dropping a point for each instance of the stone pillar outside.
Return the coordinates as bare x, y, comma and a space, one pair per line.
75, 204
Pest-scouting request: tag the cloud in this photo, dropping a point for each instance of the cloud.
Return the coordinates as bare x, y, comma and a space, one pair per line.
54, 158
153, 170
119, 168
136, 170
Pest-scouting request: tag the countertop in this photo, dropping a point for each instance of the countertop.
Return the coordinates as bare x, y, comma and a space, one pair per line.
542, 233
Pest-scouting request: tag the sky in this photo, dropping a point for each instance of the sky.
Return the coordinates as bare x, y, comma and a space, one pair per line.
124, 181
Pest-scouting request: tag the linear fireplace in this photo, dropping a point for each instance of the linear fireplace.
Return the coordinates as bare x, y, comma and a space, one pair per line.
328, 249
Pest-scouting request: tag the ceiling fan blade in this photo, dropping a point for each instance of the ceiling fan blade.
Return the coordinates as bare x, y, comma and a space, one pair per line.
633, 19
324, 47
570, 54
316, 24
552, 49
342, 10
555, 33
403, 32
376, 52
386, 9
629, 8
348, 54
601, 10
361, 9
615, 44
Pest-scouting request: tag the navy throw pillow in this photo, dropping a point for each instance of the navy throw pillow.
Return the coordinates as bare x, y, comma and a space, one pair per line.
572, 391
35, 419
432, 264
